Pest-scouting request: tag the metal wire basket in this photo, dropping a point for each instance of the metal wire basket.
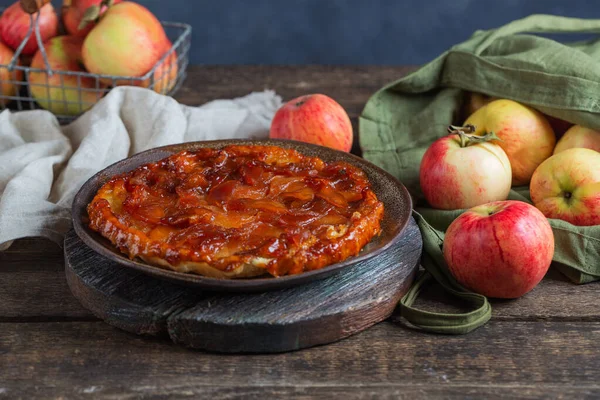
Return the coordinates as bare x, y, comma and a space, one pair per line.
69, 93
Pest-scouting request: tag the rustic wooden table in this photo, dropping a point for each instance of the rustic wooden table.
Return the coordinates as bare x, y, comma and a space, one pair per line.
546, 344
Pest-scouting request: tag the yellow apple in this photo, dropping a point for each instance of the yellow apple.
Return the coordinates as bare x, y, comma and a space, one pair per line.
61, 93
579, 136
127, 41
527, 137
567, 186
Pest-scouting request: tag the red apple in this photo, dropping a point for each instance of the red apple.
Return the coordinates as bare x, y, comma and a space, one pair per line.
558, 125
501, 249
73, 12
66, 91
316, 119
9, 85
456, 175
127, 41
164, 76
579, 136
527, 137
567, 186
14, 24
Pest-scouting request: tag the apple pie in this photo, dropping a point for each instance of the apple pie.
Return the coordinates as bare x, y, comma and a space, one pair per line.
238, 212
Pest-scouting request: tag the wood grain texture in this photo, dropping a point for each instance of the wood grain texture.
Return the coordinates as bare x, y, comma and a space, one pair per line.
33, 288
33, 285
290, 319
350, 86
311, 392
502, 359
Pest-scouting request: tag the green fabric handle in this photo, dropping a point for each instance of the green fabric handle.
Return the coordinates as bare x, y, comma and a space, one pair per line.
450, 324
401, 120
436, 268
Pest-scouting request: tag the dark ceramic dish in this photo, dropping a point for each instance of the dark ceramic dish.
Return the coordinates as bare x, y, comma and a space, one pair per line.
391, 192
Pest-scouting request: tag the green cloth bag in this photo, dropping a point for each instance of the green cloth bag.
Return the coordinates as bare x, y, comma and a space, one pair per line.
402, 119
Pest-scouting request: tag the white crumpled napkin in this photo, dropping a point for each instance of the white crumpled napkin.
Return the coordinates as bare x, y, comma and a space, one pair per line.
43, 165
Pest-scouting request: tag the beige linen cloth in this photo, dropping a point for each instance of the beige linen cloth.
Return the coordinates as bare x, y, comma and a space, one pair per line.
43, 164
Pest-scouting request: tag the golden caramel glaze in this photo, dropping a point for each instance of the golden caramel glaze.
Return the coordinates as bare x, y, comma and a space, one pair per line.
239, 211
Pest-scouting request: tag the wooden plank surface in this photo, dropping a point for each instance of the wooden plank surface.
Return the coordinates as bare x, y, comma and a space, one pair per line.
33, 288
74, 358
543, 345
33, 285
350, 86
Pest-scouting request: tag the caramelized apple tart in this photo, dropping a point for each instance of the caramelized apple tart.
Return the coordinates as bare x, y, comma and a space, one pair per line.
238, 212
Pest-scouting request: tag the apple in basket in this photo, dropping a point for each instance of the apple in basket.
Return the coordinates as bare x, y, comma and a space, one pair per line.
127, 41
165, 74
579, 136
501, 249
316, 119
463, 170
15, 22
74, 11
527, 137
8, 79
60, 93
567, 186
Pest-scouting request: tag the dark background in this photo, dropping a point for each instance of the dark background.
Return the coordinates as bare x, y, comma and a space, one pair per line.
342, 31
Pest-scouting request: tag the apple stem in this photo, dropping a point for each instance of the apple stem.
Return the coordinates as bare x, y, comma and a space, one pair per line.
467, 136
469, 128
300, 102
92, 13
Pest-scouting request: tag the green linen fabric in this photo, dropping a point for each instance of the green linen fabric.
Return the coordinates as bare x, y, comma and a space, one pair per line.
402, 119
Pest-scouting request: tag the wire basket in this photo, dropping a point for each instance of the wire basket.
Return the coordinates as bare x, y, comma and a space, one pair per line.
70, 93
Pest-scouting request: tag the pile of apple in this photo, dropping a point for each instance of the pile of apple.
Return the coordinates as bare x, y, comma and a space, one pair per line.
498, 247
105, 37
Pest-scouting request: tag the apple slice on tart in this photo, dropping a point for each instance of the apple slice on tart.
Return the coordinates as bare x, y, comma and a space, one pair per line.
239, 211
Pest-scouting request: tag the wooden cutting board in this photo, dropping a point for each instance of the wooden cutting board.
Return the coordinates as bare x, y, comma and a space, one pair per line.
316, 313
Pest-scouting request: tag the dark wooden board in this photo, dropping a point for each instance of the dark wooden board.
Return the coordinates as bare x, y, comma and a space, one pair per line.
316, 313
518, 359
